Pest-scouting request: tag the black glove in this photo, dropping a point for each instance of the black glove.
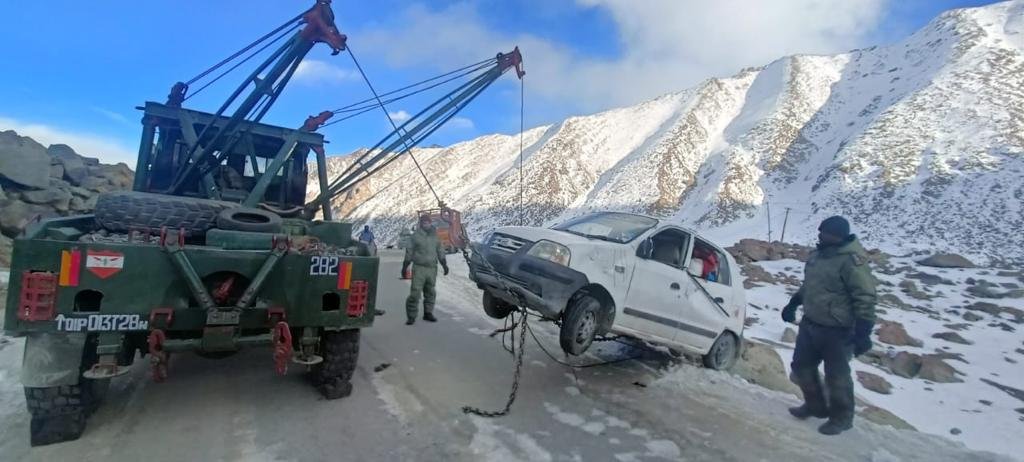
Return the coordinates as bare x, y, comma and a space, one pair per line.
789, 313
445, 266
861, 339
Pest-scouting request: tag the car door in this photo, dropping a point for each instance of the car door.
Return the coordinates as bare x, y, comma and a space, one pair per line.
709, 298
656, 290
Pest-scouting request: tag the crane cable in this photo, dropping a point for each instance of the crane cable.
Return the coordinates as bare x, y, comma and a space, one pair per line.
408, 149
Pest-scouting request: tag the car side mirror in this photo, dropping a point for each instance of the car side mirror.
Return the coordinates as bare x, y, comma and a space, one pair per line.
645, 249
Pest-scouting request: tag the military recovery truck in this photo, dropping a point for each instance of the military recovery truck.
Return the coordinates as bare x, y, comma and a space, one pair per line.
216, 248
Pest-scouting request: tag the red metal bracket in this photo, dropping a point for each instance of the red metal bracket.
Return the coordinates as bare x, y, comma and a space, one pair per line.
320, 27
357, 296
513, 59
38, 297
275, 315
223, 291
282, 347
157, 354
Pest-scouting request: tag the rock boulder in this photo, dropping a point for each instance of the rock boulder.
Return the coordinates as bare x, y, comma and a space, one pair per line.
24, 161
946, 260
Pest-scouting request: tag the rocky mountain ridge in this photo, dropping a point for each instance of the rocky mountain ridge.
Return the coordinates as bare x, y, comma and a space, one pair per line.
920, 143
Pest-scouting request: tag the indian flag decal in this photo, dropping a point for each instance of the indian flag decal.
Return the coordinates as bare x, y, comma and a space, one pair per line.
104, 263
344, 275
70, 267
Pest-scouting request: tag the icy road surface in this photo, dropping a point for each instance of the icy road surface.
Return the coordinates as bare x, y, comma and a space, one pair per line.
239, 409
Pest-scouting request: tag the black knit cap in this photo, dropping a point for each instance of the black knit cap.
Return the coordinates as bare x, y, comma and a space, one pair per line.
836, 226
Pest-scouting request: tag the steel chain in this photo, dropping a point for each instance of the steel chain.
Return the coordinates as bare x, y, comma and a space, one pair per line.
515, 376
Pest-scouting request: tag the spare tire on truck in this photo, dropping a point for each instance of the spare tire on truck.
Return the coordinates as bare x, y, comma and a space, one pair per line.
249, 219
126, 211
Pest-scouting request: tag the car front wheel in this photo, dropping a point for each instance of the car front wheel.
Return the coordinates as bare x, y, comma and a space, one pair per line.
579, 325
723, 353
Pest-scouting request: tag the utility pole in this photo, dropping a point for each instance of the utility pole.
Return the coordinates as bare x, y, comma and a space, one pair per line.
768, 203
784, 221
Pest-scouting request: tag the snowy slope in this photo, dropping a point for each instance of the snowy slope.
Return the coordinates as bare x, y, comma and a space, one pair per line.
920, 143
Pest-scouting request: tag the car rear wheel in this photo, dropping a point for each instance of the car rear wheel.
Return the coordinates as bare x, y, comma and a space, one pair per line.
496, 307
579, 325
723, 353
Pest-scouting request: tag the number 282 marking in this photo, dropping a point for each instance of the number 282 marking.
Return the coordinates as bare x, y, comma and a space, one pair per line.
323, 266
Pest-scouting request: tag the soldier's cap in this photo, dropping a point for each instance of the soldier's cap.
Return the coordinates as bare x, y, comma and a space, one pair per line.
836, 226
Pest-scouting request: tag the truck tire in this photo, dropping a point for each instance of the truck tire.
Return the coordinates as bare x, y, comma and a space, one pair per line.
579, 325
125, 211
723, 353
496, 307
59, 413
249, 219
333, 376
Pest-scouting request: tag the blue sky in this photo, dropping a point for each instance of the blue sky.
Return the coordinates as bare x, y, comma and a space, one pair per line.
74, 71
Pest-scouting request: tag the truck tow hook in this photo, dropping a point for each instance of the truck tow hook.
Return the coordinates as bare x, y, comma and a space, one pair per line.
157, 355
282, 347
105, 368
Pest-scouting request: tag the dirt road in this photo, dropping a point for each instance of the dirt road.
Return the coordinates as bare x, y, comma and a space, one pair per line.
649, 409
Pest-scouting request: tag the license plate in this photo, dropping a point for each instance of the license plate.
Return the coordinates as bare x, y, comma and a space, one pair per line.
101, 323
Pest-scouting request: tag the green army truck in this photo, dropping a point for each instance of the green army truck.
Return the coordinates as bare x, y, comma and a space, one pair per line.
215, 248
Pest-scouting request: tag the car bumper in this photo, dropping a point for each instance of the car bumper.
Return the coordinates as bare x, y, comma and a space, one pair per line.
541, 285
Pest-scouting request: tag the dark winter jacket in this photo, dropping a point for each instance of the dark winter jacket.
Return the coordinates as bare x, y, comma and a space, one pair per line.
838, 285
424, 249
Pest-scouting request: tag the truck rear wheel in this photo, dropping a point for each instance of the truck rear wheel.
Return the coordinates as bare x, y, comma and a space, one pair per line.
124, 211
579, 325
333, 376
59, 413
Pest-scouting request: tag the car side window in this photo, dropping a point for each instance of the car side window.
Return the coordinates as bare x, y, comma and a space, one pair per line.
709, 263
669, 247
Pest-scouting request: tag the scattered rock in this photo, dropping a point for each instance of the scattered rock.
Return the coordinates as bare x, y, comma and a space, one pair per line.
1020, 410
946, 260
968, 316
874, 383
893, 333
1019, 394
1010, 274
760, 364
754, 274
985, 402
883, 417
905, 364
954, 431
936, 370
948, 355
893, 300
1010, 360
910, 288
14, 215
1020, 351
952, 337
53, 197
6, 246
962, 326
74, 165
789, 335
381, 367
753, 250
749, 321
24, 161
57, 171
929, 279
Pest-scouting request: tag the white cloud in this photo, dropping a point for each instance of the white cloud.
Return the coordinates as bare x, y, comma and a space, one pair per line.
107, 150
460, 123
312, 71
399, 116
114, 116
667, 45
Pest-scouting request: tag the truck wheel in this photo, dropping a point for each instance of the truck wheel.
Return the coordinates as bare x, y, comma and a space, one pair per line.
579, 325
124, 211
249, 219
333, 376
723, 353
59, 413
496, 307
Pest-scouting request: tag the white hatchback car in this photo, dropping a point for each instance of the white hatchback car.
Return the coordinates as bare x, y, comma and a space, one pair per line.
618, 273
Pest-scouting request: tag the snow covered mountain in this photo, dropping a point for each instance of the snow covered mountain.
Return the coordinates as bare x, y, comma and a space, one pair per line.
920, 143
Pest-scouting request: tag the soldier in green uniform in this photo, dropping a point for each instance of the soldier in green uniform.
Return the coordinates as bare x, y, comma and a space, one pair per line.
838, 296
423, 253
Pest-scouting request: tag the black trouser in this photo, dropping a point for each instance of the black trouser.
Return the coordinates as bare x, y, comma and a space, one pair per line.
816, 343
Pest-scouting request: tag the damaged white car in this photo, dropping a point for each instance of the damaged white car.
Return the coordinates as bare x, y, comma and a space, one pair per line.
618, 273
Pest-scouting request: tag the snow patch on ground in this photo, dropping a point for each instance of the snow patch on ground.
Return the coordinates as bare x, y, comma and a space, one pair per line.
397, 402
489, 443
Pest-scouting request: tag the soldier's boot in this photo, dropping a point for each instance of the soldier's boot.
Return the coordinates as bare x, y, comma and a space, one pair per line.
429, 317
840, 406
814, 399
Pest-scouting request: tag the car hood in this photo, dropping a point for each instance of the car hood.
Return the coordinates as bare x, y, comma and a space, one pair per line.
568, 239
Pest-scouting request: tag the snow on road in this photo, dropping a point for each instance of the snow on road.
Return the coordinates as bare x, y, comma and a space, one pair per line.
653, 408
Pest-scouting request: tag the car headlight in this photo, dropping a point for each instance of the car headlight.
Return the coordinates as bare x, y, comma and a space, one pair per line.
550, 251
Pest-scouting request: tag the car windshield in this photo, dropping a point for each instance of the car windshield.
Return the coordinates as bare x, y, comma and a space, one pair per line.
614, 227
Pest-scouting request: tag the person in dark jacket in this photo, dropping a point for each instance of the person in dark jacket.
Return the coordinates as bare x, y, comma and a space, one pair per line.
838, 296
423, 253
